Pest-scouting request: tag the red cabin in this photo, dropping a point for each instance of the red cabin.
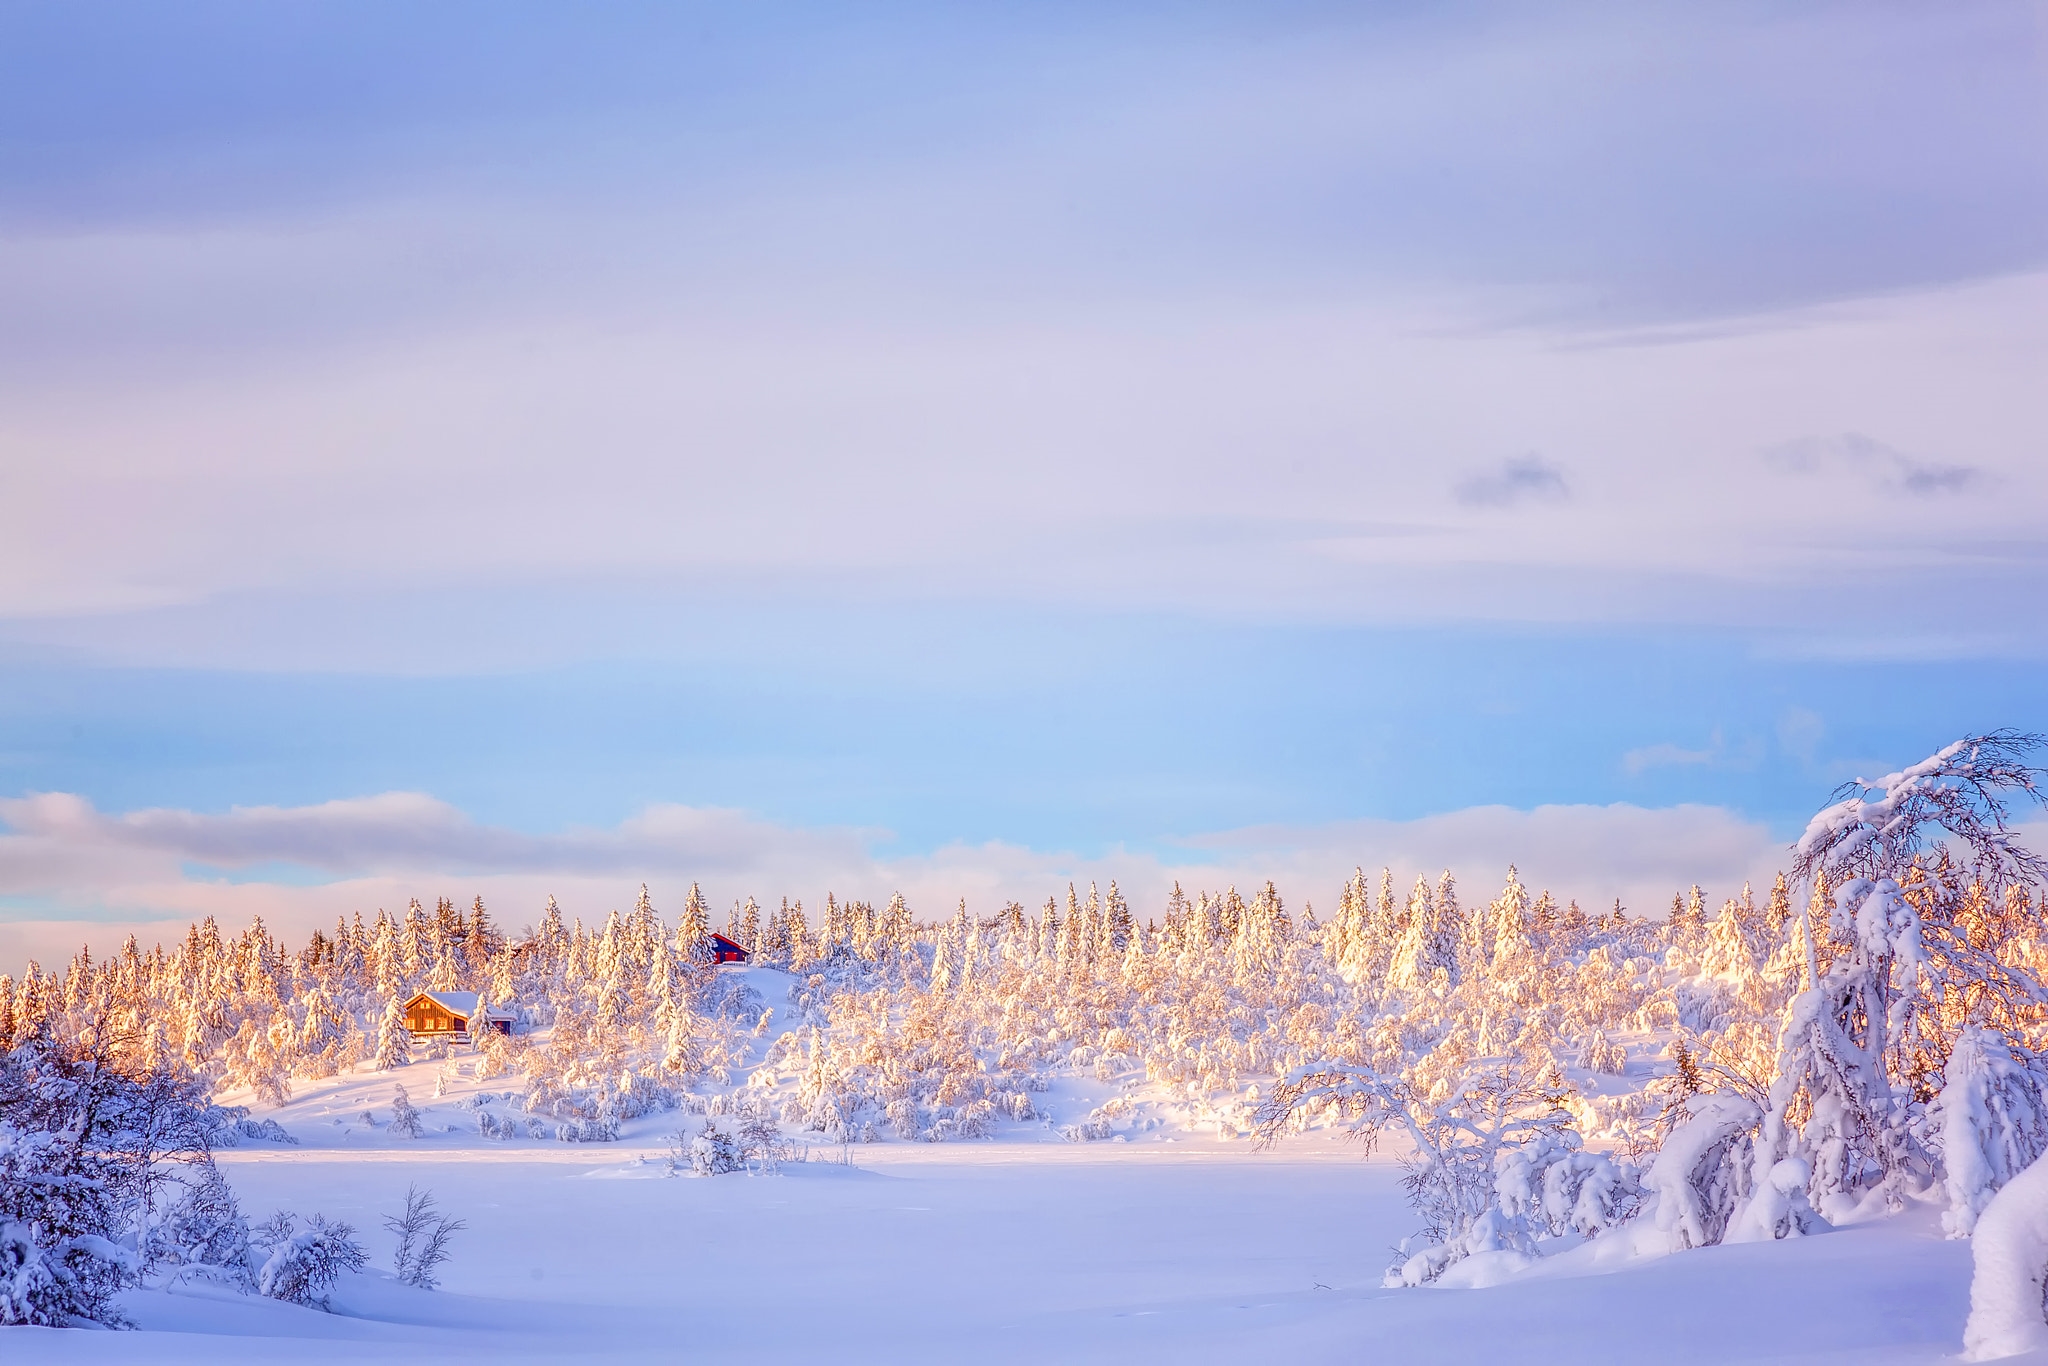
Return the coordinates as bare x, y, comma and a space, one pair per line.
723, 950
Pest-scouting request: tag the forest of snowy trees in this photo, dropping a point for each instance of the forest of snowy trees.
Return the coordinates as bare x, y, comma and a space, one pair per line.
1864, 1032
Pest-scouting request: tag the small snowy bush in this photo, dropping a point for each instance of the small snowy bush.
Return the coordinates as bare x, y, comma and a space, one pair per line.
596, 1130
304, 1265
1599, 1054
204, 1233
1701, 1174
405, 1120
235, 1125
902, 1117
710, 1152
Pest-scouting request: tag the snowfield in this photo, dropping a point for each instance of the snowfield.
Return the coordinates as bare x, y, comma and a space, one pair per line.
1184, 1251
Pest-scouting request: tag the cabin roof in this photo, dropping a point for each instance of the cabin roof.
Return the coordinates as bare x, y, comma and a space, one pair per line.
462, 1003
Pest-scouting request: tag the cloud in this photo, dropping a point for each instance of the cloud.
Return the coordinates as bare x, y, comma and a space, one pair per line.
75, 873
1519, 479
392, 833
1664, 755
1718, 754
1278, 272
1855, 456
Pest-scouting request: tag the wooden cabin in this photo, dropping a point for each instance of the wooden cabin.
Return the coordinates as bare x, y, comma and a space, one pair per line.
447, 1017
723, 950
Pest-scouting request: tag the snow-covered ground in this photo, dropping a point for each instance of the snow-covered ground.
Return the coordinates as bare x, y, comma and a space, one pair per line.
1006, 1252
1174, 1244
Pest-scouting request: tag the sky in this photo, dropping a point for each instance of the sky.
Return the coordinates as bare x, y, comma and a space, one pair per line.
508, 450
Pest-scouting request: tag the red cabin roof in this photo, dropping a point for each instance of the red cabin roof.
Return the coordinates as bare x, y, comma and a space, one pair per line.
723, 950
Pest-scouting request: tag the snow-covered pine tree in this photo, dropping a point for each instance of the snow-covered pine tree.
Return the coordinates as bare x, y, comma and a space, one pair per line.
693, 932
1117, 927
394, 1039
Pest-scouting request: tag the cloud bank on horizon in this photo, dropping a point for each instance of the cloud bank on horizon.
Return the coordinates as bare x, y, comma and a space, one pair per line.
150, 872
1250, 418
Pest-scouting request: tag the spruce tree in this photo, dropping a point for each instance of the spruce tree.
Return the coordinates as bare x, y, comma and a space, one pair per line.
394, 1040
693, 932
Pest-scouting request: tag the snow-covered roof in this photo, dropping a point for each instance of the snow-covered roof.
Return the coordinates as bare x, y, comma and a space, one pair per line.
462, 1003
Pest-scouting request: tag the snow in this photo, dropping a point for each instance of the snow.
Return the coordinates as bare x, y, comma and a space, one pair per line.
2011, 1251
1104, 1208
1177, 1245
1007, 1252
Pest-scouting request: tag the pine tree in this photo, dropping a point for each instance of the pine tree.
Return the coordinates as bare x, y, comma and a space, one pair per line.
1511, 922
1117, 917
693, 933
394, 1040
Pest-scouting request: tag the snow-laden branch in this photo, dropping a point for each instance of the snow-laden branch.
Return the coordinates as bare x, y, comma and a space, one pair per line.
1875, 830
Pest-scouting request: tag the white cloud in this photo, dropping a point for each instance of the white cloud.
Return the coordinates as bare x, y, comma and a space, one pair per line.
1719, 753
1664, 755
396, 832
101, 875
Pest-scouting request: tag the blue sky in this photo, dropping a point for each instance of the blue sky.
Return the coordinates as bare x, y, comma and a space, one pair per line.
966, 449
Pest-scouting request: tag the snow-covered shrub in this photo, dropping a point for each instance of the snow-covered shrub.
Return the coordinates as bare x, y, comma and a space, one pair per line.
1701, 1174
760, 1142
596, 1130
405, 1120
498, 1055
304, 1265
2007, 1287
748, 1141
90, 1160
59, 1260
1991, 1123
1545, 1191
1459, 1124
1597, 1053
230, 1125
1777, 1206
902, 1116
204, 1233
1551, 1187
711, 1151
423, 1233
